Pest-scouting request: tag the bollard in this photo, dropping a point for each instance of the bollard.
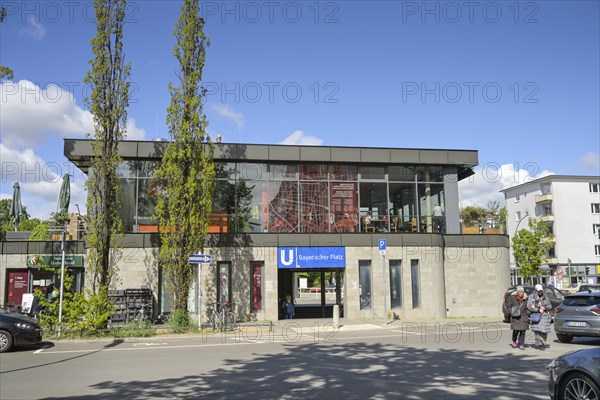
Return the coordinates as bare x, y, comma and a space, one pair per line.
336, 316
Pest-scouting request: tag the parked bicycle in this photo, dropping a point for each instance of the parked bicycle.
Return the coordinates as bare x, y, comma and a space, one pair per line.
220, 316
143, 318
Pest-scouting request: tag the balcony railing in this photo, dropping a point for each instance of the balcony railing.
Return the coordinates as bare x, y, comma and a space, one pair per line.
540, 198
547, 218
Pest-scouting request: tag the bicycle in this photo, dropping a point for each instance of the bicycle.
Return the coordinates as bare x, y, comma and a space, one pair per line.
142, 319
220, 316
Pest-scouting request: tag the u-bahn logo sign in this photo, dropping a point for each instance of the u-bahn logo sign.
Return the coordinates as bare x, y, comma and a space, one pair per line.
311, 257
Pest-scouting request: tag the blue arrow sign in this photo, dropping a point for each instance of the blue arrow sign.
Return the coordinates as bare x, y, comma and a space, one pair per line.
199, 258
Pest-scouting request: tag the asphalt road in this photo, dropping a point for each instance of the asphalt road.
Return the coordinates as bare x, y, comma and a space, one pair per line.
410, 360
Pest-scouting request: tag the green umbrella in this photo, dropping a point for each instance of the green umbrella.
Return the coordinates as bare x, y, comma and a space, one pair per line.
64, 197
15, 206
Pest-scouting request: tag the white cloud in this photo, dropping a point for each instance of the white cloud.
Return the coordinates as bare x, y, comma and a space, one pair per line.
30, 113
485, 185
590, 161
300, 138
223, 110
40, 181
33, 29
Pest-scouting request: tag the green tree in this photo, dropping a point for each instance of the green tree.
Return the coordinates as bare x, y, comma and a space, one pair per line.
502, 219
5, 72
6, 222
109, 82
187, 167
530, 246
472, 215
40, 231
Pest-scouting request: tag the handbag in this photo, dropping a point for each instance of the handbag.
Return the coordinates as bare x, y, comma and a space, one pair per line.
535, 317
515, 311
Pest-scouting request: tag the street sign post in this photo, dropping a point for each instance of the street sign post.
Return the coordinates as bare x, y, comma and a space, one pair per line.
199, 258
382, 248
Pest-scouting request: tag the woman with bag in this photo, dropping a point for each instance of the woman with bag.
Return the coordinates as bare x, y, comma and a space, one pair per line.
519, 318
539, 303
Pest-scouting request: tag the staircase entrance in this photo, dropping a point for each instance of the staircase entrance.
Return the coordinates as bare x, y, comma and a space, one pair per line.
314, 291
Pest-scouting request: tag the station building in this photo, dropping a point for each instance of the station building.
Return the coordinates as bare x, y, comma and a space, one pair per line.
379, 227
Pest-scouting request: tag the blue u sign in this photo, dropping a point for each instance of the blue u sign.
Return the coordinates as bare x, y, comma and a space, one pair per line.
311, 257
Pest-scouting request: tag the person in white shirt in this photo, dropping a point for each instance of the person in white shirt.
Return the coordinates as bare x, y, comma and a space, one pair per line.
438, 218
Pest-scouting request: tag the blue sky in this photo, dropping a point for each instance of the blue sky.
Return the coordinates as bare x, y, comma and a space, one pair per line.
516, 80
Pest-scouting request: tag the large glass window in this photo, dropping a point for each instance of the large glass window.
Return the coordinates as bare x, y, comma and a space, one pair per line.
396, 283
344, 206
430, 197
343, 173
314, 172
257, 268
373, 207
402, 199
314, 207
127, 212
364, 271
372, 172
224, 281
415, 280
283, 206
401, 173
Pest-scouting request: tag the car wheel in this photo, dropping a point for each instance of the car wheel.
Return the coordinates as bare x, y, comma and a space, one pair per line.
564, 338
6, 341
578, 386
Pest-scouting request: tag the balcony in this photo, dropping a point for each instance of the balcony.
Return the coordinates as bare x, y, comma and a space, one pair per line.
553, 260
541, 198
549, 240
547, 218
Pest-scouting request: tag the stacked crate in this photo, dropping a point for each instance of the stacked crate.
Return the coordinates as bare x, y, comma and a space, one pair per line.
119, 301
128, 304
135, 299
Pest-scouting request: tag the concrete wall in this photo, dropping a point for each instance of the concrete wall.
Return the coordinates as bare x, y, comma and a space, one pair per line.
458, 278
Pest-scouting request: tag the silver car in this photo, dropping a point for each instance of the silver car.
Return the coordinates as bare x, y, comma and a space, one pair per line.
579, 315
575, 375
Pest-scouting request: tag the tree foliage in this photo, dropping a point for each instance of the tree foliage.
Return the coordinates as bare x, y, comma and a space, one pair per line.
109, 82
530, 246
472, 215
187, 169
6, 222
5, 72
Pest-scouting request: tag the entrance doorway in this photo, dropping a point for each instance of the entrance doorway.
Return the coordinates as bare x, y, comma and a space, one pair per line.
313, 291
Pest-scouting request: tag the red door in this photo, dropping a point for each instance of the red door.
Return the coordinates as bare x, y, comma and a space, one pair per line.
18, 282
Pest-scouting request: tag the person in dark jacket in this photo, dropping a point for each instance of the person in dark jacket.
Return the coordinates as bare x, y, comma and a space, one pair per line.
518, 324
538, 302
288, 307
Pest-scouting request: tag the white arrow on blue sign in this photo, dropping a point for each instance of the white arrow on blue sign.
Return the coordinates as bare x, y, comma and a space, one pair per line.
199, 258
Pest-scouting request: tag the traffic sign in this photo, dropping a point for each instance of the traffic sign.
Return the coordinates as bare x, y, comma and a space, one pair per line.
199, 258
382, 246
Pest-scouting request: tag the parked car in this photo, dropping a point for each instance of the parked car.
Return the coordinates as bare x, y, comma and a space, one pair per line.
579, 315
589, 287
572, 288
575, 375
17, 330
555, 296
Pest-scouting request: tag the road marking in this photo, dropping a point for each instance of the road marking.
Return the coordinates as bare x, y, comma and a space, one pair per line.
47, 346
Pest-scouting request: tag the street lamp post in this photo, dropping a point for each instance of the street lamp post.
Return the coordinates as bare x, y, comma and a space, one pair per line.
515, 234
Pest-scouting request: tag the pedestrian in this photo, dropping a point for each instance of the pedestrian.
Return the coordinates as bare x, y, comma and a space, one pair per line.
438, 217
288, 307
539, 303
519, 320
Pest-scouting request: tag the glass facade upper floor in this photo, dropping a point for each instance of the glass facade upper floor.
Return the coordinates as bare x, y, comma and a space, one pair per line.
304, 197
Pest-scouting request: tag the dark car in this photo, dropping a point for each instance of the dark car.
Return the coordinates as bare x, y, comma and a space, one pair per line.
588, 287
579, 315
17, 330
575, 375
555, 296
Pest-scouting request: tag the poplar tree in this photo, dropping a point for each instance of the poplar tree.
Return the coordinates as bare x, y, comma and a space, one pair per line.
109, 98
187, 170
